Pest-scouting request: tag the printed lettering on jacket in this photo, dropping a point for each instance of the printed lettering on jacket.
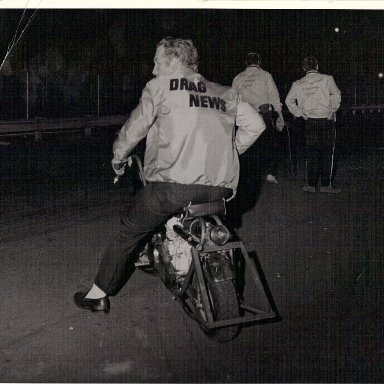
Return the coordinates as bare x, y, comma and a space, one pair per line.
310, 86
196, 99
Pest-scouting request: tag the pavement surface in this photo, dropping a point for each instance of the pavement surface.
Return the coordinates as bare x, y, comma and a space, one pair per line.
322, 256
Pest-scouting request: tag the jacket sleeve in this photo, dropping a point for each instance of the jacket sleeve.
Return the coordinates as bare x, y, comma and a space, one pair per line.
290, 101
250, 126
246, 94
136, 127
334, 95
273, 94
235, 84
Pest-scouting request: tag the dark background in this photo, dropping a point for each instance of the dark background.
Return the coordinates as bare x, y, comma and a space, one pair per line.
95, 62
69, 53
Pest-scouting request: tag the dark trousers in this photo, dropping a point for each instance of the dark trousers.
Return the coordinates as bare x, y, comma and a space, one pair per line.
269, 145
297, 143
151, 207
320, 137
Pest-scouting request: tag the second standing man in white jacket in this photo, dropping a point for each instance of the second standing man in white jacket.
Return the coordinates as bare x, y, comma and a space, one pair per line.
256, 86
316, 98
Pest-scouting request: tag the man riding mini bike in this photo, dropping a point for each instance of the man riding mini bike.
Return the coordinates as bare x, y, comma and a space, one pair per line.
191, 155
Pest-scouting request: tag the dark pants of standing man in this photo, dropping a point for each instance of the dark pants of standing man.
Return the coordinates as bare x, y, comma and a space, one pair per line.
152, 206
269, 142
320, 137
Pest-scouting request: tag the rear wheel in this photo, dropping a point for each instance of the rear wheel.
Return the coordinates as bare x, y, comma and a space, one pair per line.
224, 305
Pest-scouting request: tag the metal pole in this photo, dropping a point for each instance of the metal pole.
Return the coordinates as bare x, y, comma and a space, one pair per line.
27, 95
98, 95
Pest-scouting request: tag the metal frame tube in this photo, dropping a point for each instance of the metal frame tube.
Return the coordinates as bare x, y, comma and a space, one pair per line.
257, 314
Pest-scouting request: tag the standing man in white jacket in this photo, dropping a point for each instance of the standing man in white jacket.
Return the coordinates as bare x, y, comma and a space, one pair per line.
316, 98
257, 87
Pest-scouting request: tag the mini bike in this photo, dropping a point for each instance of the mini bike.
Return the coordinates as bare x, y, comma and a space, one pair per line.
203, 266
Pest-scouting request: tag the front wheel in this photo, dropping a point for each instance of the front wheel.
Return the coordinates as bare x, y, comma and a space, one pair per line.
224, 304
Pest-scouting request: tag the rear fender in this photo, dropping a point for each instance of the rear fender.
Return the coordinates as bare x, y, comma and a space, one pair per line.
218, 267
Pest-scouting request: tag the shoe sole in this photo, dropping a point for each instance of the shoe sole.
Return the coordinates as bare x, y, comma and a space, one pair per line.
142, 263
330, 192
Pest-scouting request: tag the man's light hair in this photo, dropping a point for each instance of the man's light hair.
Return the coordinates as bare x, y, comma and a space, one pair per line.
182, 49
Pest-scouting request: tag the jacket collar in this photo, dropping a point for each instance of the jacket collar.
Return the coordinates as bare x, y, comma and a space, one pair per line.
183, 71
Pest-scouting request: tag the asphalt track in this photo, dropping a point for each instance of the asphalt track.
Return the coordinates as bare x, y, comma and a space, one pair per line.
321, 255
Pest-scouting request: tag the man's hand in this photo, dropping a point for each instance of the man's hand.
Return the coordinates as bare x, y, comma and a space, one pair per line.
130, 161
280, 123
119, 168
332, 116
304, 116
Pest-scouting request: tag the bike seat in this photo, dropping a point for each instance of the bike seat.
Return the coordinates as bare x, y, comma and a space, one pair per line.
216, 207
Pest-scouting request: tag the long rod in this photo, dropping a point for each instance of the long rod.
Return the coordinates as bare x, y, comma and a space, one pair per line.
27, 95
98, 95
202, 286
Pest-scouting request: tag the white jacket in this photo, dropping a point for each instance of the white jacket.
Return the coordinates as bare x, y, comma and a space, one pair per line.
190, 127
257, 87
315, 96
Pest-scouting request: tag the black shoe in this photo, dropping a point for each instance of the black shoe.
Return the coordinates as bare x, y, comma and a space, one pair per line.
93, 305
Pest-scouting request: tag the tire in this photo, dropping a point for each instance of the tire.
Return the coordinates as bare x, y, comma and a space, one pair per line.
224, 304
